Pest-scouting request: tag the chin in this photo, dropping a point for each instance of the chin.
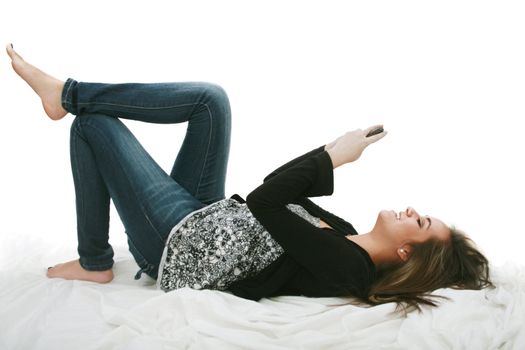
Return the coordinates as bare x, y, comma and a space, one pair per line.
385, 219
386, 215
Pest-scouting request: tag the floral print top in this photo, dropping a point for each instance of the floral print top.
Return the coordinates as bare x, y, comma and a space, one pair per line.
217, 245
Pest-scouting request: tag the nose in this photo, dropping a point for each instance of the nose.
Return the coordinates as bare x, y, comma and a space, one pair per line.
411, 211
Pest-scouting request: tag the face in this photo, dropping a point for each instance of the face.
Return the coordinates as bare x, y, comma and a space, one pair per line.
408, 227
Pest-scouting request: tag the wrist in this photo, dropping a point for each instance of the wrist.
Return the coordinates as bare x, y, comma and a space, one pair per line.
329, 146
335, 157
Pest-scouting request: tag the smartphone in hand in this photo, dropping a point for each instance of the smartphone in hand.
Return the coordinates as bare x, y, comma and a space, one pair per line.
375, 132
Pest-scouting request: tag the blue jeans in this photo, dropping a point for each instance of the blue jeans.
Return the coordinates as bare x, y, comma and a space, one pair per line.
108, 162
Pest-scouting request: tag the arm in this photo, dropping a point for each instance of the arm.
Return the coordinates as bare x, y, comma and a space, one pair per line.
307, 244
345, 149
310, 175
332, 219
294, 162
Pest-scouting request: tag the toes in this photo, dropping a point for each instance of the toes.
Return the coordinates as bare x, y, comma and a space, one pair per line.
9, 49
11, 52
49, 272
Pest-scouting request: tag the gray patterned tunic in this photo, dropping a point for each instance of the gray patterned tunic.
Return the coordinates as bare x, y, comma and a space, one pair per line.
217, 245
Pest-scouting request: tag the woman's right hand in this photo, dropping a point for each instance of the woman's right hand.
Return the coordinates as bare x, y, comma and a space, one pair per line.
349, 147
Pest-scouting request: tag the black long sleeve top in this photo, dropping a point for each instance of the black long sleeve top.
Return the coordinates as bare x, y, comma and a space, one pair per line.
317, 262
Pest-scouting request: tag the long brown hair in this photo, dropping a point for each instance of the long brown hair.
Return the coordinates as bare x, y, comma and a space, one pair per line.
455, 263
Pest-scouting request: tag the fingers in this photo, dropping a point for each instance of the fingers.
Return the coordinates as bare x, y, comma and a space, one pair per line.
377, 137
374, 138
370, 128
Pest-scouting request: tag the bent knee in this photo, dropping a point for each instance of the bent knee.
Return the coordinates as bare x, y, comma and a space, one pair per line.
215, 95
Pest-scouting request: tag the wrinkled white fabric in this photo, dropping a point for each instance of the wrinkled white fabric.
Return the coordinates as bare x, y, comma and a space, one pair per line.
41, 313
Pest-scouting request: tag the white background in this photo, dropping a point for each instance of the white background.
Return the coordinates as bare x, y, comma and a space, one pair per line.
446, 78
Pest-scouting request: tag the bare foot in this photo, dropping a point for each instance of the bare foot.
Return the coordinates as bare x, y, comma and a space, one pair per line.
47, 87
72, 270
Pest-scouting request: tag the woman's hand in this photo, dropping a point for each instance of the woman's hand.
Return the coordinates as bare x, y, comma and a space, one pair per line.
349, 147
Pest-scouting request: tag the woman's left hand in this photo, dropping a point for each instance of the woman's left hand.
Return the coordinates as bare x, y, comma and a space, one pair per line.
349, 147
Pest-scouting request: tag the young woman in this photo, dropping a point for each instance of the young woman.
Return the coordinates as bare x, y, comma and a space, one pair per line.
183, 232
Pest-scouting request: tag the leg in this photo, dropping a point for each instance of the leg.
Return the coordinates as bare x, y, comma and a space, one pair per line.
206, 146
202, 161
92, 206
201, 164
204, 151
107, 157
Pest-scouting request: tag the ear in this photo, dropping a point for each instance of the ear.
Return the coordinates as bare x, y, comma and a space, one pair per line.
404, 252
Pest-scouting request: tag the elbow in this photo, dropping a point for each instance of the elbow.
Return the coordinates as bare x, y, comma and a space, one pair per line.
256, 202
251, 199
269, 176
251, 203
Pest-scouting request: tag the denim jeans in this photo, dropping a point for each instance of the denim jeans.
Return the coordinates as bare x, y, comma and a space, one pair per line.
108, 162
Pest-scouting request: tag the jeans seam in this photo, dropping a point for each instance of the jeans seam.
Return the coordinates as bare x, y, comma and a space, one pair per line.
66, 96
137, 251
149, 266
77, 172
140, 107
210, 116
134, 193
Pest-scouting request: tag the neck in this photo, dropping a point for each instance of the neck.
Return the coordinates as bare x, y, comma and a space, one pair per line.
377, 250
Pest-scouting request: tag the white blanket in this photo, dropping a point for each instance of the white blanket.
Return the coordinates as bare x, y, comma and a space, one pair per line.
41, 313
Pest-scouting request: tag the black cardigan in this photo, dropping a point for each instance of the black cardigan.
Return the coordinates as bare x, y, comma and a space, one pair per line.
317, 262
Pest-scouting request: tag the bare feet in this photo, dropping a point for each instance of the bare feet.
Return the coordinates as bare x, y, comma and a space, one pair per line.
48, 88
72, 270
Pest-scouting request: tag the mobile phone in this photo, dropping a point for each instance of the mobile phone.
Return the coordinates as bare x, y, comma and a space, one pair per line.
375, 132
